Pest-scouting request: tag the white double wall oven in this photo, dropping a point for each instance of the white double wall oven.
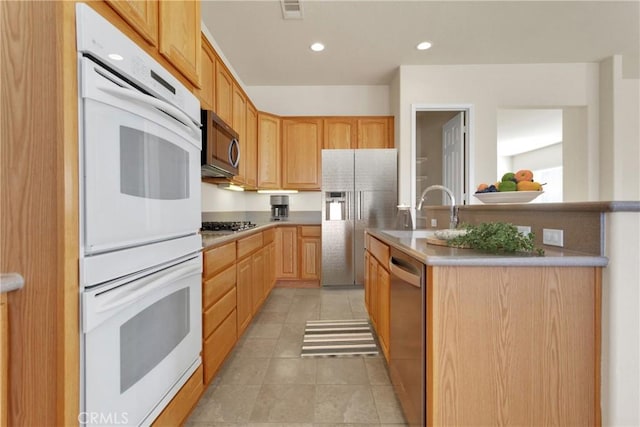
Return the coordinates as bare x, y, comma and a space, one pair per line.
140, 256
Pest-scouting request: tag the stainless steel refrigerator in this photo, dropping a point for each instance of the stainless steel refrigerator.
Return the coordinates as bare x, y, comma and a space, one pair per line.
359, 190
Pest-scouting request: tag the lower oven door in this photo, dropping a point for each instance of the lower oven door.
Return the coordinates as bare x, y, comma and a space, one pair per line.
142, 341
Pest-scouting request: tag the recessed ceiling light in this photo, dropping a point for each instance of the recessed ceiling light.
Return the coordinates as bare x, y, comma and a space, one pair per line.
317, 47
423, 46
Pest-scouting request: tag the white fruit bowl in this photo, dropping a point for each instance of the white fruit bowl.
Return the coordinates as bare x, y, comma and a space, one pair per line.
508, 196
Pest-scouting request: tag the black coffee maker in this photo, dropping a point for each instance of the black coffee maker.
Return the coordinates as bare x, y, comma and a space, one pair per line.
279, 207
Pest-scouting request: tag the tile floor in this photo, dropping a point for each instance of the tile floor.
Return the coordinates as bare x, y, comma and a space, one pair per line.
265, 382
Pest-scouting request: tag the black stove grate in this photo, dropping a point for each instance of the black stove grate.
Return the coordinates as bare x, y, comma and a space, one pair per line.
227, 225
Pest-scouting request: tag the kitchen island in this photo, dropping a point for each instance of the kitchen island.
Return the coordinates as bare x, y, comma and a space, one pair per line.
507, 340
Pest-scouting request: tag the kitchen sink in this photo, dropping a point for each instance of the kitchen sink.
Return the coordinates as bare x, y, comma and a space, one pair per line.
410, 234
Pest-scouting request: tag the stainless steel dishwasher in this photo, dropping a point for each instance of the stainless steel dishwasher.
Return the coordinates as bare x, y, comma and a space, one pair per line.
407, 335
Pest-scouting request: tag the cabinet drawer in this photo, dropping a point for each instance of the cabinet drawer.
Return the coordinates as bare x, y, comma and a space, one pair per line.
218, 285
249, 244
214, 316
219, 258
379, 250
218, 345
268, 235
310, 231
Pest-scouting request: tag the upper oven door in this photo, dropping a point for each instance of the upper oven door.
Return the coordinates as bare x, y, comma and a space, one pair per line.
141, 165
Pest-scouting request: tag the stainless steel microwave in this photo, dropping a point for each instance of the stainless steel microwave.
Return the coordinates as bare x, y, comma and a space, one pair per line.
220, 147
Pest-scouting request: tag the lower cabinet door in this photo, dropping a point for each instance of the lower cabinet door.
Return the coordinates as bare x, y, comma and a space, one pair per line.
244, 291
218, 345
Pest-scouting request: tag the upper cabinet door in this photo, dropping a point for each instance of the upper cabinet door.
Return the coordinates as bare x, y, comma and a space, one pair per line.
375, 132
301, 145
179, 34
340, 132
239, 123
268, 151
224, 93
207, 77
142, 15
251, 148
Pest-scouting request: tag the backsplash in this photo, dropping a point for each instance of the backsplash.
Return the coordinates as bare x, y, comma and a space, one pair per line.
216, 199
582, 228
263, 217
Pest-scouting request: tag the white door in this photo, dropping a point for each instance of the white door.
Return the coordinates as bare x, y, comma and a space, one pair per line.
453, 136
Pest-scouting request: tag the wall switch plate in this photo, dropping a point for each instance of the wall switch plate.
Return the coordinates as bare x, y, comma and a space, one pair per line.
552, 237
434, 222
524, 229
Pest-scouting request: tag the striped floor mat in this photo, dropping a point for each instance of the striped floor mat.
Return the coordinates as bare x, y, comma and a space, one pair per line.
338, 338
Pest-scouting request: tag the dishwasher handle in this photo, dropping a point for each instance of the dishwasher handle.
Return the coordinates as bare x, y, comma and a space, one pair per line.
407, 273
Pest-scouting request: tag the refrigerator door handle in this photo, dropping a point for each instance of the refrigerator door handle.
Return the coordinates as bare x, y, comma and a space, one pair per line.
348, 207
360, 205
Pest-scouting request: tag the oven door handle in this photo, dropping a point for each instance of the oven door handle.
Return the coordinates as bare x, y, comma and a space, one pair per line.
155, 102
124, 295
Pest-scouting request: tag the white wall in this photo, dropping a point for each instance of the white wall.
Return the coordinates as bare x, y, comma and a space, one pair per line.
302, 201
542, 158
487, 88
621, 321
619, 165
321, 100
620, 134
577, 183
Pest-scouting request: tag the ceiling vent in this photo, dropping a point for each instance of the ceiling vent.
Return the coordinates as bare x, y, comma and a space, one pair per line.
291, 9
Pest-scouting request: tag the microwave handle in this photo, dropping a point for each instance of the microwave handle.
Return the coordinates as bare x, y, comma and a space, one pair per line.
124, 295
234, 146
158, 103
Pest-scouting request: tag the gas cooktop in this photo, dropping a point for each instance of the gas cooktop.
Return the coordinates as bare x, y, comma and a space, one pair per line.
226, 227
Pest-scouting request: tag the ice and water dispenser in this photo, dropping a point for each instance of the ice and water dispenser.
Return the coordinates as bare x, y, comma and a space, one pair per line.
336, 205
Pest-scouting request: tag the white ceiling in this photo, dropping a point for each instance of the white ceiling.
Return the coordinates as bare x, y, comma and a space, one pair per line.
367, 39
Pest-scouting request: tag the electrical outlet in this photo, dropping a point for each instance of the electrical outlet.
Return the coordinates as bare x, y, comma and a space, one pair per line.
434, 222
552, 237
524, 229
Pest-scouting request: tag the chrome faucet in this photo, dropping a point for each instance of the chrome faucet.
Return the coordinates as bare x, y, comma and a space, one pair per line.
453, 220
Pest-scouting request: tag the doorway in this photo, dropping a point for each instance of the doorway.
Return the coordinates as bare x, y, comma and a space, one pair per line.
440, 154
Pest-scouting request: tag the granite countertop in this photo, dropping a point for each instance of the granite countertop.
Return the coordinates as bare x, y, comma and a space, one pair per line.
415, 245
214, 240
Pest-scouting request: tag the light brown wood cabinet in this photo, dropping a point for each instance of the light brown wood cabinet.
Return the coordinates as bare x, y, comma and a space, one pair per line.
513, 345
351, 132
171, 26
250, 154
218, 307
257, 285
269, 153
206, 93
224, 93
301, 160
377, 282
298, 252
179, 36
375, 132
384, 304
176, 412
287, 252
244, 299
310, 252
340, 133
142, 15
239, 124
